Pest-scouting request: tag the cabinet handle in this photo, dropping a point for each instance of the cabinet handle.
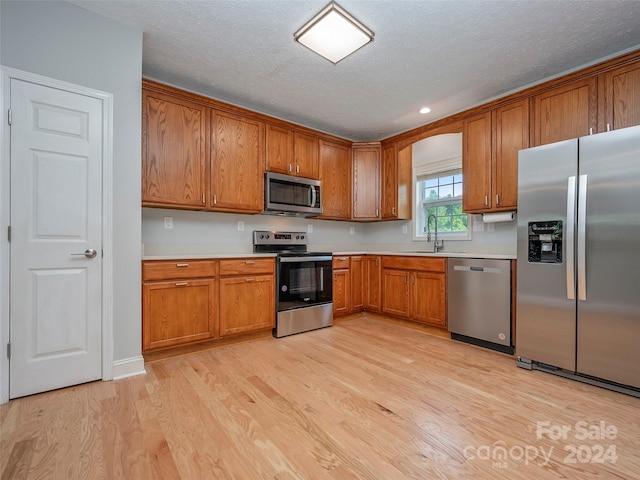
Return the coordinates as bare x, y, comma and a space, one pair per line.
486, 200
249, 262
590, 131
393, 210
289, 168
182, 264
203, 198
608, 127
182, 284
297, 168
249, 279
497, 199
215, 199
342, 258
376, 212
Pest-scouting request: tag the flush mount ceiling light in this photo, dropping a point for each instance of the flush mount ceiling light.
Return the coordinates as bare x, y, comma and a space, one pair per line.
424, 110
333, 34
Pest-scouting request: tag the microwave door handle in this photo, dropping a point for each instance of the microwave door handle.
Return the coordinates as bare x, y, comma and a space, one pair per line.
313, 195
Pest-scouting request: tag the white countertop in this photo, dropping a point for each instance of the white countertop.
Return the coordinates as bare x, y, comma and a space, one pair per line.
271, 255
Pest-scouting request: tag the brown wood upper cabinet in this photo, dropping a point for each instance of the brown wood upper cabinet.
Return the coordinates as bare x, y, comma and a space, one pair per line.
292, 153
173, 151
619, 98
335, 175
491, 142
237, 159
565, 112
366, 181
396, 182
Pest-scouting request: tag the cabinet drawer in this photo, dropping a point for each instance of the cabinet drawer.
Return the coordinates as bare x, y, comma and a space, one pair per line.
415, 263
340, 262
247, 266
178, 269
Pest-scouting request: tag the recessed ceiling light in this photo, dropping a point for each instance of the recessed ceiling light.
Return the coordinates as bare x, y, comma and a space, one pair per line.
424, 110
333, 34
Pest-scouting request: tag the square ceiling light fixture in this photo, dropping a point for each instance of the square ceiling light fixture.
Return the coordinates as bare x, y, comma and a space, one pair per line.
333, 33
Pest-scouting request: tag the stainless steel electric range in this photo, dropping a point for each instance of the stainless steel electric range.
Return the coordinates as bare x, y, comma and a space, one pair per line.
304, 296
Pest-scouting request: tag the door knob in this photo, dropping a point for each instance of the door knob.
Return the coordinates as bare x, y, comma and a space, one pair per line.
89, 253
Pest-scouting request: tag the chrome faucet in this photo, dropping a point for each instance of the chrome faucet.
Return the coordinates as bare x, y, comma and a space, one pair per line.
437, 244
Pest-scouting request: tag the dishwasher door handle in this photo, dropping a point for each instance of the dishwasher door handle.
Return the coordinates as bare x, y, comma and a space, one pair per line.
477, 269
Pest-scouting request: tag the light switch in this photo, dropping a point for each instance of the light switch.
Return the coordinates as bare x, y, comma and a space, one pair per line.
309, 228
168, 222
240, 226
352, 230
404, 230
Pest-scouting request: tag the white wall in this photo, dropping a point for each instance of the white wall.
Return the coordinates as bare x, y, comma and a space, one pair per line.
65, 42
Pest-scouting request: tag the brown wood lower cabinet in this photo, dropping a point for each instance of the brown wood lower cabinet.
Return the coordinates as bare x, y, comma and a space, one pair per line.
179, 303
186, 301
246, 304
372, 283
415, 288
348, 284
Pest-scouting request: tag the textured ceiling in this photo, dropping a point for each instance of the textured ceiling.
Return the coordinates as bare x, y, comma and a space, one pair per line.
449, 55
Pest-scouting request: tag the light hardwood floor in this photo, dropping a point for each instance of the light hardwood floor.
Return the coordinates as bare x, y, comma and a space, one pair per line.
365, 399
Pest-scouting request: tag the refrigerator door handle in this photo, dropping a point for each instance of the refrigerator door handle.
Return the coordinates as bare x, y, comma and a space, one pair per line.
569, 242
582, 233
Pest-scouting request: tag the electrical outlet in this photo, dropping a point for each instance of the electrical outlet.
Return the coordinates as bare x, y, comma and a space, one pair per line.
240, 226
478, 226
168, 222
404, 230
352, 230
490, 227
309, 228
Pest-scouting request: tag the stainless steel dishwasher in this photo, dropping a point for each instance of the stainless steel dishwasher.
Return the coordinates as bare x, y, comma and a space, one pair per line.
479, 302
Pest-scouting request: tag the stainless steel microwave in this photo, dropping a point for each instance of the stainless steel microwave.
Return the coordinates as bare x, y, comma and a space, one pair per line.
289, 195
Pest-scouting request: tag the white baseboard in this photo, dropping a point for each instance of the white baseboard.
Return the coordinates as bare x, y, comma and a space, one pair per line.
128, 367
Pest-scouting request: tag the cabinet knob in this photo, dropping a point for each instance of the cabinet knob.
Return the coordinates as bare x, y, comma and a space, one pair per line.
249, 279
290, 168
249, 262
486, 200
182, 264
497, 199
182, 284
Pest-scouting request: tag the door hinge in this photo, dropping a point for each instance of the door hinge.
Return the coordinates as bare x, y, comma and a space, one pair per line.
9, 116
9, 350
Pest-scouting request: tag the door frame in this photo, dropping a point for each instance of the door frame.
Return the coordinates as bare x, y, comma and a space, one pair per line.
7, 74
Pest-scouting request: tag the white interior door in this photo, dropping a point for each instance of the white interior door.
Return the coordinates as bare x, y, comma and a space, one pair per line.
56, 216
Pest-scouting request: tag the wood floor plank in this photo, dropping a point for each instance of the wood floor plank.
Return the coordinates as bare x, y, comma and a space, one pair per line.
367, 398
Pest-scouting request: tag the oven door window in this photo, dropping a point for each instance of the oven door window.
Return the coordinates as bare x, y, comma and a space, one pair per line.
302, 284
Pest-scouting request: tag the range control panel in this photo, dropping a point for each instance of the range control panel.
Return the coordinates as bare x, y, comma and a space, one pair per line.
261, 237
545, 241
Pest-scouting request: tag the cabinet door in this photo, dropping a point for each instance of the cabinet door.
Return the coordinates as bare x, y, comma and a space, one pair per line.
246, 304
565, 112
366, 183
306, 152
395, 292
372, 283
177, 312
341, 292
428, 298
389, 198
620, 98
476, 163
335, 175
173, 151
512, 135
279, 149
356, 272
237, 163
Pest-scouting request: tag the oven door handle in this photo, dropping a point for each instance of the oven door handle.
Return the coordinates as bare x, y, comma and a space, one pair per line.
305, 259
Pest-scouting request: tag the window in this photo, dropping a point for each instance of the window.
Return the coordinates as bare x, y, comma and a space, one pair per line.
440, 194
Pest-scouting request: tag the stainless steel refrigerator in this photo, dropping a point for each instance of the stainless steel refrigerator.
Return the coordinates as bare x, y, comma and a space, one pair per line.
578, 270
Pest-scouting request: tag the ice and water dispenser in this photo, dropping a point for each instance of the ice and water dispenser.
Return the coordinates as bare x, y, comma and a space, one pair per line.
545, 241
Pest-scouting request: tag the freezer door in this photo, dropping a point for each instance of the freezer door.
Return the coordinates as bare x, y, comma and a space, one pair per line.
609, 319
546, 307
